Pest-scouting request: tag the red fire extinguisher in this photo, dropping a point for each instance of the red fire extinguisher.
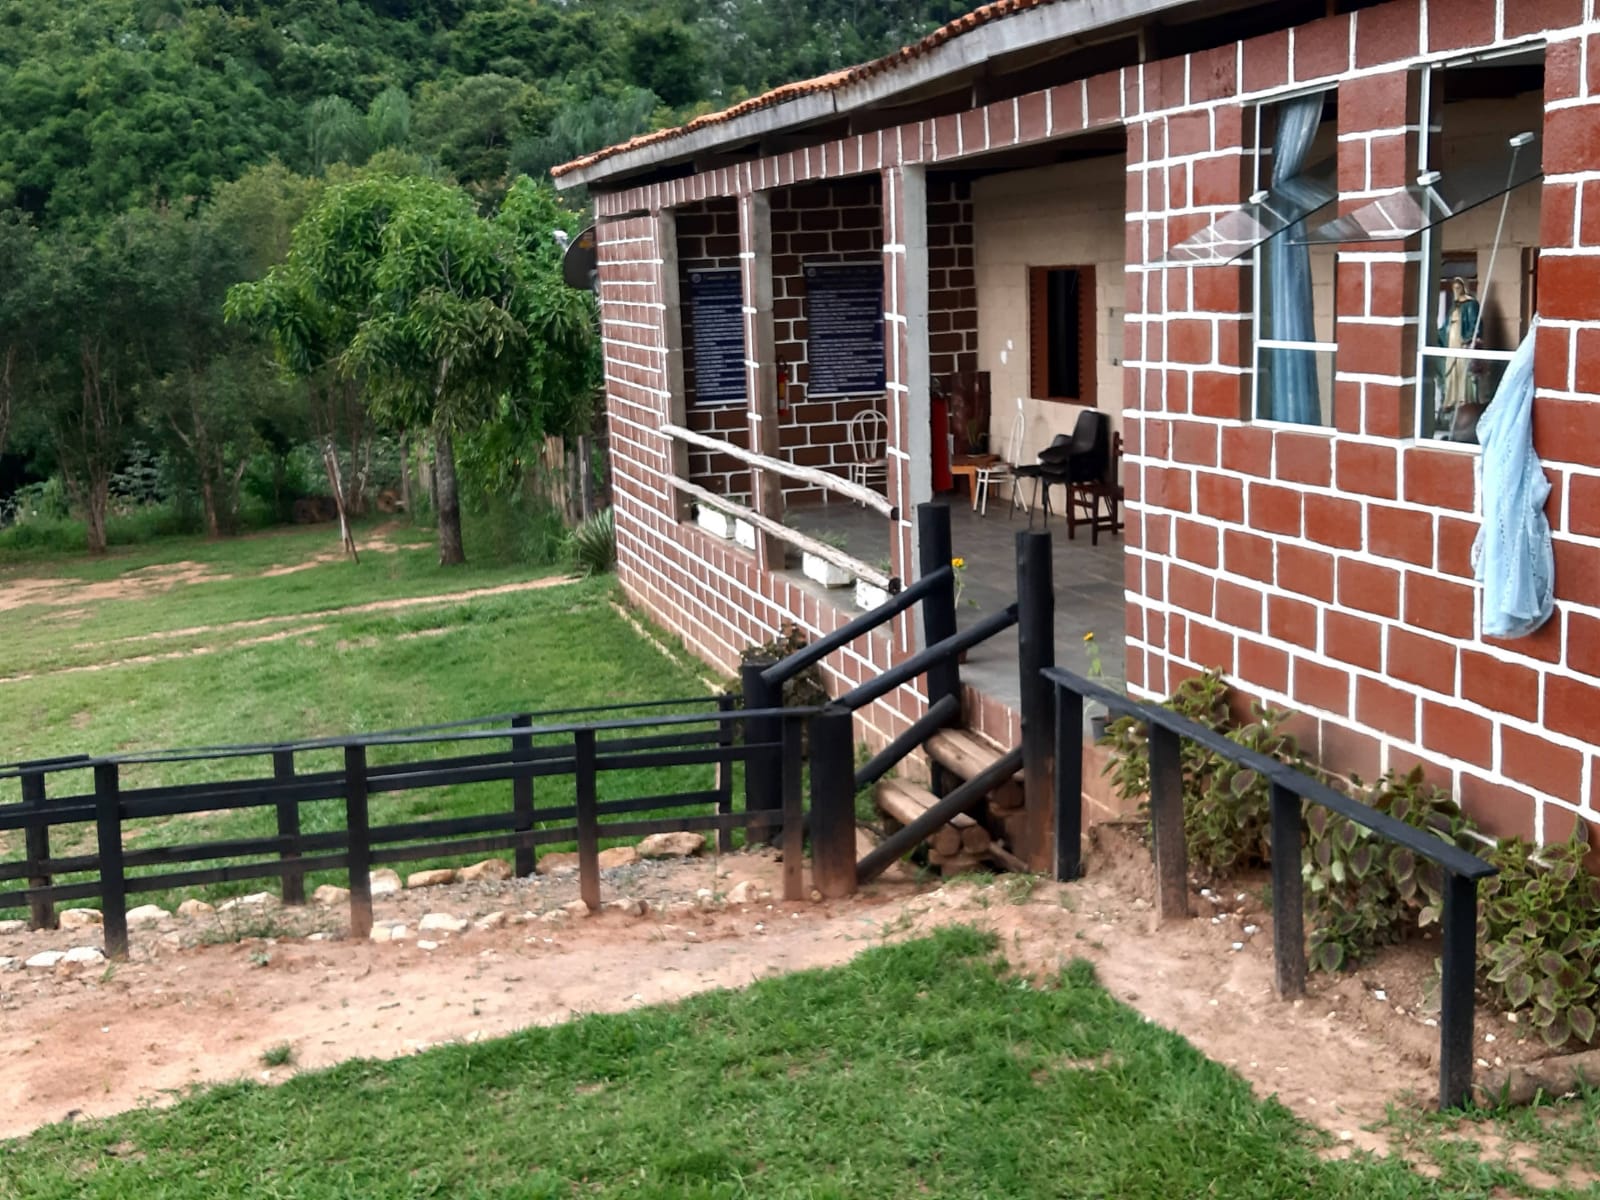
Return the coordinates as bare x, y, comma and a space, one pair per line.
783, 389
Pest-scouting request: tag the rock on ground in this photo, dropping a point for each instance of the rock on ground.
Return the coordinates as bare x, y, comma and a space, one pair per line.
618, 856
384, 882
13, 927
628, 907
576, 909
329, 894
495, 869
556, 862
748, 891
80, 918
422, 879
146, 914
84, 956
194, 908
253, 900
45, 960
671, 845
442, 923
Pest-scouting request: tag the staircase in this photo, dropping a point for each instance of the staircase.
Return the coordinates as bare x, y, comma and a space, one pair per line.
965, 843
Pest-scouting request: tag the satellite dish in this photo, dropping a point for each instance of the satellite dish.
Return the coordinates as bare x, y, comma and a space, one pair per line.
581, 263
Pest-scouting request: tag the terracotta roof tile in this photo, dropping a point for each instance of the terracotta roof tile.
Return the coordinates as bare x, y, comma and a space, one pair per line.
831, 82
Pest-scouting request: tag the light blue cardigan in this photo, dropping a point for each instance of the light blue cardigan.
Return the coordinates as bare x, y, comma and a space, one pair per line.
1512, 556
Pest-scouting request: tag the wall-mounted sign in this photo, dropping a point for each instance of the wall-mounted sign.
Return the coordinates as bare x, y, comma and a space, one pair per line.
844, 328
716, 306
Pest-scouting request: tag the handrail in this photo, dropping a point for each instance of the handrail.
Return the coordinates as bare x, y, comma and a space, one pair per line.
794, 537
1431, 847
817, 478
919, 662
1291, 789
787, 668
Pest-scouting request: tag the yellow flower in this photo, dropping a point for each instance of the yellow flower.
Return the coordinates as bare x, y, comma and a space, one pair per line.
1089, 637
958, 563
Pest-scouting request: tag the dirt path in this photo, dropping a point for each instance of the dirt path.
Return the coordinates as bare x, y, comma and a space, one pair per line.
318, 616
105, 1040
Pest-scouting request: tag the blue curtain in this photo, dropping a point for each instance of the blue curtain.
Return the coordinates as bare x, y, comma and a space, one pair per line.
1290, 392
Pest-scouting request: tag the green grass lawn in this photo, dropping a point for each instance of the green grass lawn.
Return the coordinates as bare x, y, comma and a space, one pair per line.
924, 1070
324, 673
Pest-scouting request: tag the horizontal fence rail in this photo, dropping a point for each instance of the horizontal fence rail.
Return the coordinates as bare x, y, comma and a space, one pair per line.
1291, 791
518, 749
812, 475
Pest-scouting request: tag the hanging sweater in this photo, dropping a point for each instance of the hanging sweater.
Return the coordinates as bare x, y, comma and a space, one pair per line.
1512, 556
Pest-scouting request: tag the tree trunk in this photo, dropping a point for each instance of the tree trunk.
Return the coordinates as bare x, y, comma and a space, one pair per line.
405, 476
208, 502
444, 472
97, 498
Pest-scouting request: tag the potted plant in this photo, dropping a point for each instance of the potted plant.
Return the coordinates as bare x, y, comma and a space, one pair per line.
819, 569
713, 520
744, 533
870, 595
1098, 716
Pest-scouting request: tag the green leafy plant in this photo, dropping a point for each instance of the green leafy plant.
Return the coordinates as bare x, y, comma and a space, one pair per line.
1539, 925
1364, 891
592, 548
806, 689
1226, 807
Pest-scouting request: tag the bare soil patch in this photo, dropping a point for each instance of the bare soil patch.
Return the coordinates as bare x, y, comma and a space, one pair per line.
131, 585
183, 1012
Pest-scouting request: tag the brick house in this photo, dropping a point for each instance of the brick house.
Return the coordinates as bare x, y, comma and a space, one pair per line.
1287, 248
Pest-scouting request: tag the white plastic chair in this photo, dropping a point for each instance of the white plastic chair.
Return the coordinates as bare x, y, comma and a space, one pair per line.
1005, 470
869, 437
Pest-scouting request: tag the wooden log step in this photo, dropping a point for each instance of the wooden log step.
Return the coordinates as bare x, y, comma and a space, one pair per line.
905, 802
965, 754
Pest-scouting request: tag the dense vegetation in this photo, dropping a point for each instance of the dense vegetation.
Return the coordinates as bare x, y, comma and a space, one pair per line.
156, 153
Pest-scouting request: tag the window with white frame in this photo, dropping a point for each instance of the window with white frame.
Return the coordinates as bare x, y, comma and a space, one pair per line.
1479, 166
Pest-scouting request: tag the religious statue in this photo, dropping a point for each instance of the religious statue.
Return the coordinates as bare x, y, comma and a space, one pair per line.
1459, 332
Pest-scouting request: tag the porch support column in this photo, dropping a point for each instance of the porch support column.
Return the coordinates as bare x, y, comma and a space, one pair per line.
760, 368
906, 375
672, 330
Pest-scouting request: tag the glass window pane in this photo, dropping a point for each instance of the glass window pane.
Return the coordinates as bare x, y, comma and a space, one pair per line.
1455, 393
1295, 385
1236, 234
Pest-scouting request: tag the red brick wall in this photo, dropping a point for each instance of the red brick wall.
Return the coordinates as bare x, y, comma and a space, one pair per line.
1325, 570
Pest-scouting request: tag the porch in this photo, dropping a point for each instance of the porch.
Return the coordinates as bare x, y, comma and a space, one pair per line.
1088, 584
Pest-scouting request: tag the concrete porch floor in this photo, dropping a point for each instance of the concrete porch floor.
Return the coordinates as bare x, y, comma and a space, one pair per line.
1088, 583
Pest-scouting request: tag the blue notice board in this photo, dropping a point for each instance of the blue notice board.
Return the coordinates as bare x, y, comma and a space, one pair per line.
716, 304
844, 328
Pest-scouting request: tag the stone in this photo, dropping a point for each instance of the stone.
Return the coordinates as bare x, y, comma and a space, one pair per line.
422, 879
146, 914
557, 863
425, 944
558, 916
383, 882
80, 918
253, 900
399, 933
10, 964
442, 923
195, 908
627, 906
45, 960
671, 845
495, 869
84, 956
329, 894
682, 908
707, 900
494, 920
13, 927
576, 909
746, 891
618, 856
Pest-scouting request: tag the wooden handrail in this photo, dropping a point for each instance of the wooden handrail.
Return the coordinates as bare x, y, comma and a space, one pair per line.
817, 478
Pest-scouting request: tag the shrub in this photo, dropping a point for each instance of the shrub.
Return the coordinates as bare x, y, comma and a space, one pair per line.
1226, 807
1539, 926
522, 529
1364, 891
806, 689
592, 548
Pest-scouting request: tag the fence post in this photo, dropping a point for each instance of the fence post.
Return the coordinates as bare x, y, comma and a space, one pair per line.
294, 879
1166, 819
41, 911
794, 813
935, 550
1288, 895
587, 798
522, 797
358, 845
833, 803
763, 766
1458, 973
1069, 784
1036, 650
725, 771
113, 880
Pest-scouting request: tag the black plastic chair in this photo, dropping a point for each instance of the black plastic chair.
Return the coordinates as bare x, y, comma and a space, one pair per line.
1080, 459
1034, 471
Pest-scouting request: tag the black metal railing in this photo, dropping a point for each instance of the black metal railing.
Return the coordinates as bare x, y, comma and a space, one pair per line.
1291, 791
517, 749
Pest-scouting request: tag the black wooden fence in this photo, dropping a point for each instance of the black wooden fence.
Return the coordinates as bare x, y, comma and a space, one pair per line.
516, 749
1291, 791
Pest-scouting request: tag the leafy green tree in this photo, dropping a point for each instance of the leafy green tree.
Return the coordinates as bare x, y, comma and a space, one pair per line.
472, 123
20, 282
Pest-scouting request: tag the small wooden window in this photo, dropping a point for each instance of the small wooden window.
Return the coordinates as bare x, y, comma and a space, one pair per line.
1061, 318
